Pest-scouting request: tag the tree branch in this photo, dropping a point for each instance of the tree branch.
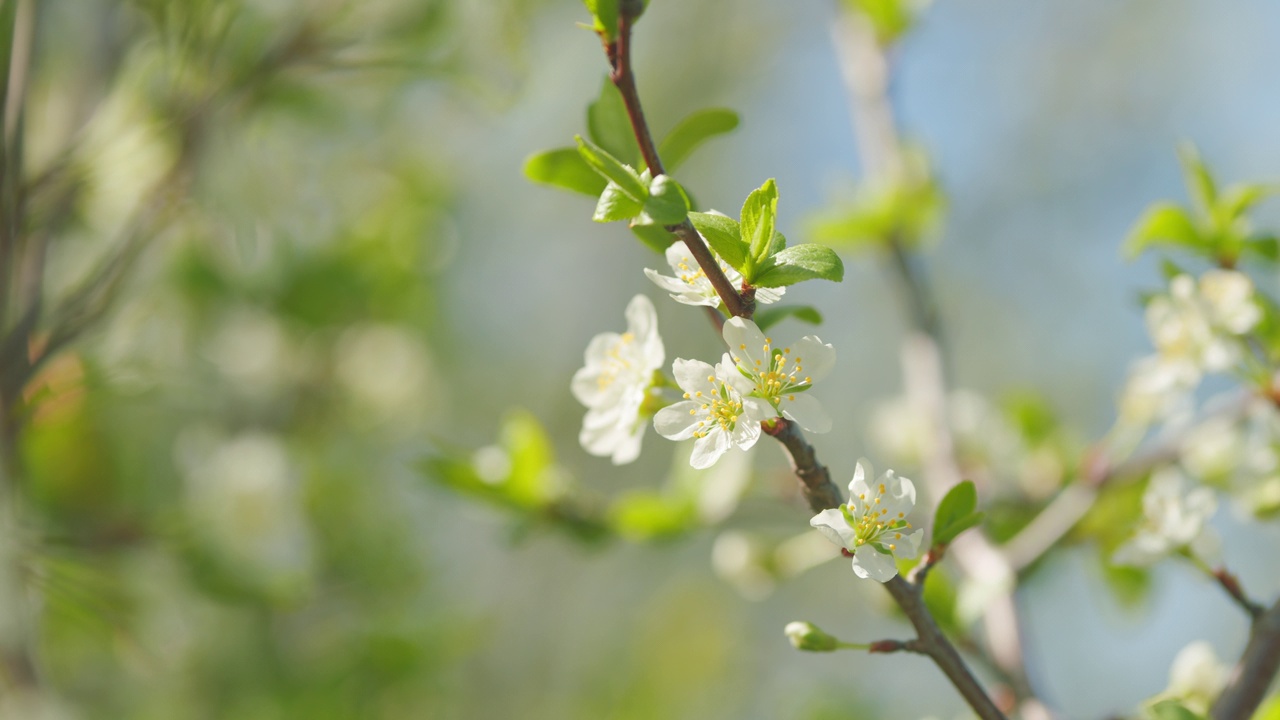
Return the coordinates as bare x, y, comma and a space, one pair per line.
1254, 672
623, 78
815, 479
934, 643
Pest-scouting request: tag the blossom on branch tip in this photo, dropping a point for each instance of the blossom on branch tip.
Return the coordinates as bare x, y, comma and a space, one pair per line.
1199, 321
615, 382
1174, 520
873, 525
716, 410
781, 375
690, 286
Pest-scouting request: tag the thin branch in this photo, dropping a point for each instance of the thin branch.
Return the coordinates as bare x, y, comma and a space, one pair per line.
815, 479
1254, 672
934, 643
622, 76
1231, 584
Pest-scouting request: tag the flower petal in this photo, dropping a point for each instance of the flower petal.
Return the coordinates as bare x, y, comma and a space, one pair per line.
676, 422
746, 343
816, 357
708, 449
808, 413
869, 563
692, 375
834, 527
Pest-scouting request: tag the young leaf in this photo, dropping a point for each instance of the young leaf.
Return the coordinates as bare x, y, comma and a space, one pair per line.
1163, 224
759, 215
956, 513
616, 205
1237, 199
626, 178
564, 168
1199, 182
609, 126
1172, 710
605, 14
797, 264
771, 316
694, 130
667, 203
724, 235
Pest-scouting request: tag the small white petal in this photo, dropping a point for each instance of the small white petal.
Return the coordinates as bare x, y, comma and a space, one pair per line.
808, 413
834, 527
691, 375
869, 563
746, 342
818, 358
676, 422
708, 449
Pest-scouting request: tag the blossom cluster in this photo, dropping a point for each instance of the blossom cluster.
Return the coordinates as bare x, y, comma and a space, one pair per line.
723, 406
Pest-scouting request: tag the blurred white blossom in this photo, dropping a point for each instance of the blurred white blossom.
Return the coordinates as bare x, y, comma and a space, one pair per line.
615, 381
1175, 519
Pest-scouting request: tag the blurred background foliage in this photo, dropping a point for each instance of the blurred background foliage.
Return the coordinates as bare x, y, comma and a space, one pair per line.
269, 264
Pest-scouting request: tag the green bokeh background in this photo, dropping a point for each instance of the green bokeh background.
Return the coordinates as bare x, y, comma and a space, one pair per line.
226, 513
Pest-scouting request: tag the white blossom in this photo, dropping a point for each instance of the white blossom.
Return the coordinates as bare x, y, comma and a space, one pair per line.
1196, 678
781, 375
1199, 322
873, 525
690, 284
716, 410
615, 382
1174, 520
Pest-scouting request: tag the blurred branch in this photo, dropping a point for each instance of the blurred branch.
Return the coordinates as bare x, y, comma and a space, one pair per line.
1254, 672
864, 64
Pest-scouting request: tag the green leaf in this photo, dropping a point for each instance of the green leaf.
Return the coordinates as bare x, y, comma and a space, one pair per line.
797, 264
724, 235
612, 169
667, 203
609, 126
1200, 185
771, 316
1238, 199
564, 168
653, 235
646, 515
890, 18
694, 130
616, 205
956, 513
759, 216
1263, 247
605, 15
1171, 710
1164, 224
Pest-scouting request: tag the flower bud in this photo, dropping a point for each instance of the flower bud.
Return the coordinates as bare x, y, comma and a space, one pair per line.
807, 636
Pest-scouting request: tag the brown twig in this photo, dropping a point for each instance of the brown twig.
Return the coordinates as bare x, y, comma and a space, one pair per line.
933, 643
1231, 584
623, 78
815, 479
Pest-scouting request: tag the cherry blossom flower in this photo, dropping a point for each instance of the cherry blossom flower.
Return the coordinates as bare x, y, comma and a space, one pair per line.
873, 525
615, 382
716, 410
690, 285
781, 375
1174, 520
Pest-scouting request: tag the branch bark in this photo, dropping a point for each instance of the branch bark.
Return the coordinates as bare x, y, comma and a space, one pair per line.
1254, 672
